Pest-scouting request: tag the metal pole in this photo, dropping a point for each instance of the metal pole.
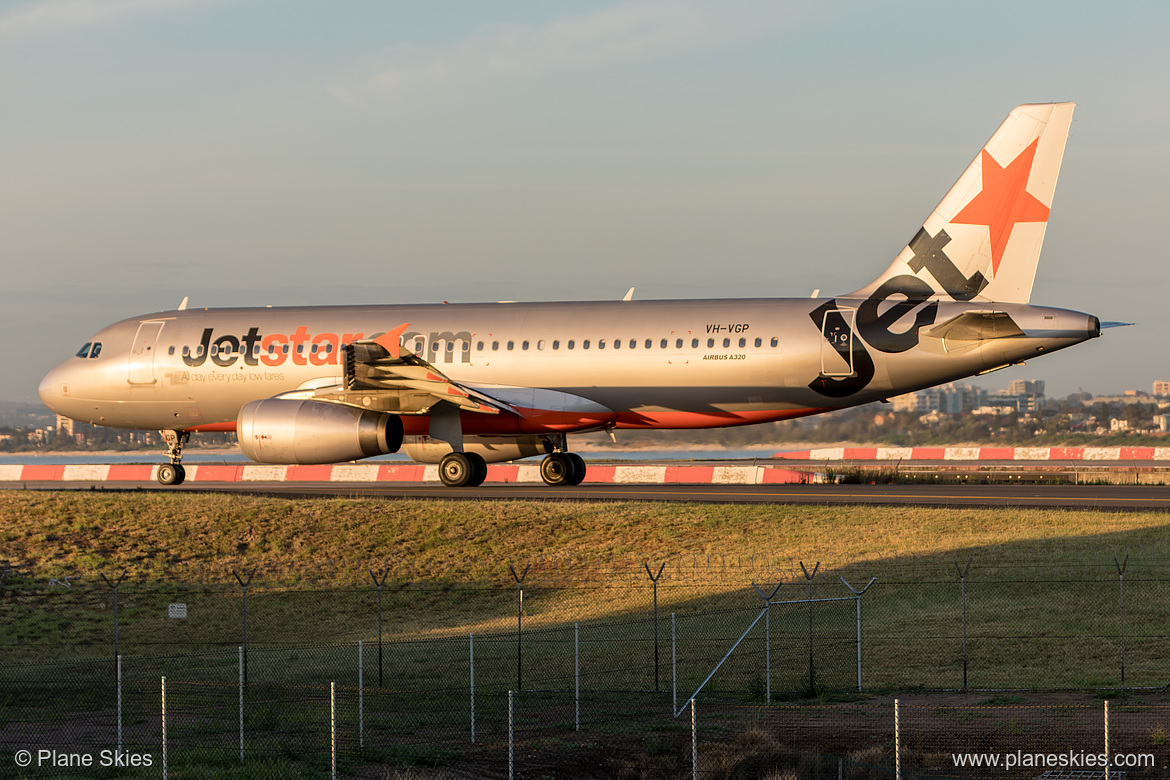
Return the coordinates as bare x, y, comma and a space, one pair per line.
114, 585
694, 743
471, 663
361, 701
119, 705
511, 756
333, 726
164, 726
244, 585
1107, 757
673, 663
577, 671
654, 579
241, 649
963, 585
768, 638
897, 743
811, 670
379, 583
519, 621
857, 595
1121, 577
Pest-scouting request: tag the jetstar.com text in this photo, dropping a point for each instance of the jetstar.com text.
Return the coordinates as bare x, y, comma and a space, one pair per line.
1072, 759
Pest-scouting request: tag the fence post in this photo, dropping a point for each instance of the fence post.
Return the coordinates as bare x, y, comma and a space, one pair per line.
1107, 756
471, 663
673, 663
333, 727
244, 585
694, 743
857, 596
897, 743
812, 684
1121, 577
114, 585
164, 726
511, 757
768, 639
361, 701
119, 705
241, 650
963, 585
577, 672
654, 580
519, 620
380, 583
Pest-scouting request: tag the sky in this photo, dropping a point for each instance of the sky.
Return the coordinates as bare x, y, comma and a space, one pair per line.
252, 152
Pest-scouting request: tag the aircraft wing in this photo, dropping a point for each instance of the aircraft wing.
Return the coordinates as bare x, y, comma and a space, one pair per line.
381, 375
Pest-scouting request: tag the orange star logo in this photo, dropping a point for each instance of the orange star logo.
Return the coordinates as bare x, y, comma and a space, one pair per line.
1004, 201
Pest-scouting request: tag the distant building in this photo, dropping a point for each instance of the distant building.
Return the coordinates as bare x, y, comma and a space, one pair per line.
1026, 387
65, 424
1162, 388
946, 399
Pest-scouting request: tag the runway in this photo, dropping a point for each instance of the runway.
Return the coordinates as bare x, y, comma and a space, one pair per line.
1114, 498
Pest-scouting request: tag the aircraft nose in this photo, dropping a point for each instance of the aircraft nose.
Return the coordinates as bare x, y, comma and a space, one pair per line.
50, 388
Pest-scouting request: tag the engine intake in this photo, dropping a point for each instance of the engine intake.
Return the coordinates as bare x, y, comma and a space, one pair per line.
277, 430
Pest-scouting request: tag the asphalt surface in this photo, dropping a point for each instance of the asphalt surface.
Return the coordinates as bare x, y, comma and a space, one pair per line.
1100, 497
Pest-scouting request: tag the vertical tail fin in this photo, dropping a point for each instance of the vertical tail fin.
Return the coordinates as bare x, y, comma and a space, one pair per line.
983, 240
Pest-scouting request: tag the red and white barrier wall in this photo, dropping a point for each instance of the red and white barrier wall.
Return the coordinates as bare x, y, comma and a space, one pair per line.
394, 472
981, 453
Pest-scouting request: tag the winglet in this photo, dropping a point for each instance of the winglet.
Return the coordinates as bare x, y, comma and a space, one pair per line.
391, 340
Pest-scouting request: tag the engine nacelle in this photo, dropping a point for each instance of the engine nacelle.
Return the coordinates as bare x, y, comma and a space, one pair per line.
493, 449
278, 430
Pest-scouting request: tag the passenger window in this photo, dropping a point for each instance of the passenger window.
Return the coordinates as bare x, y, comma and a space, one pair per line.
170, 350
215, 349
312, 349
775, 342
186, 351
524, 345
694, 343
464, 346
662, 345
556, 344
585, 344
634, 343
84, 351
678, 343
540, 344
495, 346
601, 343
742, 343
450, 346
97, 349
726, 343
710, 343
511, 344
479, 346
617, 343
572, 344
759, 342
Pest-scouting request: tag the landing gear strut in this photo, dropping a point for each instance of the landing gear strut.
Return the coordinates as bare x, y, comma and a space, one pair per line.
173, 473
462, 469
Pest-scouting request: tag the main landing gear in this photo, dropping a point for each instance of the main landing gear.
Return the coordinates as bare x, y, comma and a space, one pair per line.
462, 469
173, 473
562, 468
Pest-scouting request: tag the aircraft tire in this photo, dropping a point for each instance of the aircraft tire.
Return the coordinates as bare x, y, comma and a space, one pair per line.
579, 468
456, 470
171, 474
479, 469
557, 469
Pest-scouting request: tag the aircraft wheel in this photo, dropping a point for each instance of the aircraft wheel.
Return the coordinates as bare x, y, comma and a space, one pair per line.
557, 469
579, 468
456, 470
171, 474
479, 469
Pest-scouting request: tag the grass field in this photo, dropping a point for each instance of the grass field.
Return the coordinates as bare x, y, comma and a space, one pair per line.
1043, 610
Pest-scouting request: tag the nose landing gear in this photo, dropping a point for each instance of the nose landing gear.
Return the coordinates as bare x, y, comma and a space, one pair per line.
173, 473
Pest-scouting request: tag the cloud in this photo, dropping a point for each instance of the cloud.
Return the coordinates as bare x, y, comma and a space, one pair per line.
48, 15
628, 31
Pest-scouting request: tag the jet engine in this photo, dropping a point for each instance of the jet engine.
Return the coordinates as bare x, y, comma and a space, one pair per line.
277, 430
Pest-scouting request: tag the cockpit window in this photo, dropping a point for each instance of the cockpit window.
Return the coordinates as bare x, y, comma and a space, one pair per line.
97, 349
84, 351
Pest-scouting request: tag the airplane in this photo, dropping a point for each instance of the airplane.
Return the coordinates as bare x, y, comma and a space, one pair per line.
463, 385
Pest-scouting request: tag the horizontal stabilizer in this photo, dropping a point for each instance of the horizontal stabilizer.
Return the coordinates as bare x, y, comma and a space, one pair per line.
976, 326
